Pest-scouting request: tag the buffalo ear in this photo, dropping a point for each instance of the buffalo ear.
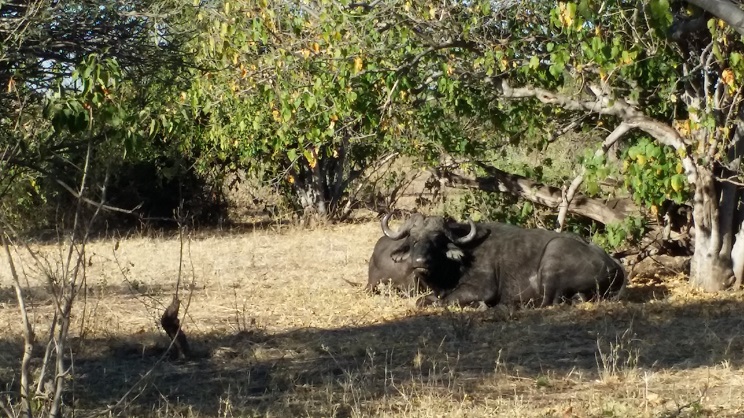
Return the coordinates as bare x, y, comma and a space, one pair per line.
454, 252
400, 255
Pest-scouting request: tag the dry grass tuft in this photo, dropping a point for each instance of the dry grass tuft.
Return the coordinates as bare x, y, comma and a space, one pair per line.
282, 333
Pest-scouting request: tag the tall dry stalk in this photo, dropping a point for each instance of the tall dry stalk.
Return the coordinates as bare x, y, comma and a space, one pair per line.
28, 332
65, 283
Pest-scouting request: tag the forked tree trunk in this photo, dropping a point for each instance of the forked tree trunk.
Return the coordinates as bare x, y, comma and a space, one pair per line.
322, 189
711, 267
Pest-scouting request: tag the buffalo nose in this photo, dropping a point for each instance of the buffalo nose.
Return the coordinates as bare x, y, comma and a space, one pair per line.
419, 261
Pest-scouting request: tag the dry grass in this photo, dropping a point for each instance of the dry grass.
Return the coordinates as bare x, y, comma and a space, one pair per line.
282, 333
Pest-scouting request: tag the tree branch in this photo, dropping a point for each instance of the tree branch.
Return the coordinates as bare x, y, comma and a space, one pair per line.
618, 107
501, 181
612, 138
725, 10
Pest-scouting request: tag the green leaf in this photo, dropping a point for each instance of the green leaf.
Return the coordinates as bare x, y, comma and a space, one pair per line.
735, 59
661, 13
534, 62
486, 8
309, 102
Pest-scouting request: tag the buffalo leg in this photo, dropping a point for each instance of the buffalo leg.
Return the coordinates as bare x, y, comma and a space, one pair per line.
550, 295
465, 295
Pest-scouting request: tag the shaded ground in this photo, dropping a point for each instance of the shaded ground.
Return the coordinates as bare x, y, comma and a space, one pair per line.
283, 334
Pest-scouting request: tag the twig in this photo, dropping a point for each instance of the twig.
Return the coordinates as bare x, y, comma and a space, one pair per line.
730, 181
94, 203
7, 410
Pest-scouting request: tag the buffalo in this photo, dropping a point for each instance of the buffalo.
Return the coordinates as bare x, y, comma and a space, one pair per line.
389, 262
494, 263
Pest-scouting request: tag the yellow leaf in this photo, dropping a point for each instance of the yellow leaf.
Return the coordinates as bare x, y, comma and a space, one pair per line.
680, 168
290, 179
358, 64
310, 157
503, 64
316, 47
728, 77
654, 210
565, 14
641, 160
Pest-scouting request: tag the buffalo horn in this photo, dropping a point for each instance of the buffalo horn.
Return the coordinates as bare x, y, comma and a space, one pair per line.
402, 232
470, 236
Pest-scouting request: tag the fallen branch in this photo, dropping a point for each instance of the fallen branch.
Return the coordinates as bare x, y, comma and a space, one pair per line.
501, 181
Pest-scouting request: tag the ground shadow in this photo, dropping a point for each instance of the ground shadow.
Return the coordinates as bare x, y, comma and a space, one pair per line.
40, 295
287, 372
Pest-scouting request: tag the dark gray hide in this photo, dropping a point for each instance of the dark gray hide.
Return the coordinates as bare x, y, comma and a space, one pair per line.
396, 271
508, 265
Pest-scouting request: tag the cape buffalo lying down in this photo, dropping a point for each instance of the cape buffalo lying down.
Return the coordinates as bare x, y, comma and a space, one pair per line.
499, 263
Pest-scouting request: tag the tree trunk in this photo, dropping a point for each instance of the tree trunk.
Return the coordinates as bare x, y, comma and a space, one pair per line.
711, 267
310, 188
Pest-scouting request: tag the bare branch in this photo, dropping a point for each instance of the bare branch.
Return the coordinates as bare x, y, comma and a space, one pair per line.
567, 197
618, 107
730, 180
94, 203
612, 138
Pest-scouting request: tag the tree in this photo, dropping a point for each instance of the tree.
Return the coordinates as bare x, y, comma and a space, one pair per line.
311, 95
46, 53
661, 82
657, 82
